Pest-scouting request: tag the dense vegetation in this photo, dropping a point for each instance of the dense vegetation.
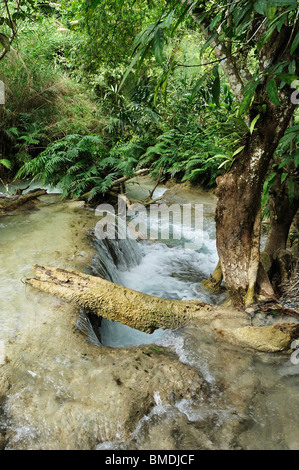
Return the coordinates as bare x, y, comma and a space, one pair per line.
97, 89
62, 91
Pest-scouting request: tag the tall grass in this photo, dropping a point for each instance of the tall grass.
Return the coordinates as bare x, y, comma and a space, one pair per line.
43, 103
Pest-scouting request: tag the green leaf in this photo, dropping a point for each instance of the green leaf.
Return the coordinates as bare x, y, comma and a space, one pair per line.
208, 43
265, 37
158, 44
5, 163
271, 177
198, 85
294, 44
296, 159
270, 11
248, 97
140, 53
272, 92
280, 23
260, 6
285, 161
287, 77
283, 177
251, 129
292, 67
284, 3
238, 150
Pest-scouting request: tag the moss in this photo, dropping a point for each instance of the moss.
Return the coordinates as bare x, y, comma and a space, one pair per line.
156, 349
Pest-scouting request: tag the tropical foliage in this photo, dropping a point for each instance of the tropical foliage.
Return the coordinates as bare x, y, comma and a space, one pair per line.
144, 80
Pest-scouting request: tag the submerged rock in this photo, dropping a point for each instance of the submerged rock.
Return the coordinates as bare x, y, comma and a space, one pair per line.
60, 392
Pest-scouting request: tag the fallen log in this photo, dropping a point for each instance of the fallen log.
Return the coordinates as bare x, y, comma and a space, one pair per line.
117, 303
11, 203
147, 313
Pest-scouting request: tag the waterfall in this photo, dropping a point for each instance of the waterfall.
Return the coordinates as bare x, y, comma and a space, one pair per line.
113, 260
155, 268
115, 255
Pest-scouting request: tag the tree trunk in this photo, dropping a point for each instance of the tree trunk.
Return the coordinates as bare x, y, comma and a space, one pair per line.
239, 203
282, 213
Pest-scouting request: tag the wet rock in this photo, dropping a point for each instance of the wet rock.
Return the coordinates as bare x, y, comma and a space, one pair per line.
63, 393
270, 338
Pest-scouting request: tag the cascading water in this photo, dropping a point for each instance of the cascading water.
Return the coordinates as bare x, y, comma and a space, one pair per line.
155, 268
250, 400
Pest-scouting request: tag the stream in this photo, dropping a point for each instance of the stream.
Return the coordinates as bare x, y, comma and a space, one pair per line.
259, 391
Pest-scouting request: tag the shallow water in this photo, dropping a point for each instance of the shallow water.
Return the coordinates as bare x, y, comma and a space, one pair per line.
51, 234
259, 392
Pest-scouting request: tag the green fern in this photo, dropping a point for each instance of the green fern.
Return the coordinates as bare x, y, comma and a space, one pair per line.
78, 164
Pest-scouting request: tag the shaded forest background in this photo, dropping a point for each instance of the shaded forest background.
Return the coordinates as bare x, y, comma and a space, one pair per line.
99, 89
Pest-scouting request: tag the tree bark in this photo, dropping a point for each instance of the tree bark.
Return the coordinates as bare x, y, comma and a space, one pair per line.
213, 283
117, 303
239, 202
282, 213
147, 313
239, 191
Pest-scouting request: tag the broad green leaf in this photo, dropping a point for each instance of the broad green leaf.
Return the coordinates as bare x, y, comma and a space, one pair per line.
158, 44
283, 177
272, 92
270, 11
296, 159
248, 97
5, 163
294, 44
260, 6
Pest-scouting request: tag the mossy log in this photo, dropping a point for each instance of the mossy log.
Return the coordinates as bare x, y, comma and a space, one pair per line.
11, 203
147, 313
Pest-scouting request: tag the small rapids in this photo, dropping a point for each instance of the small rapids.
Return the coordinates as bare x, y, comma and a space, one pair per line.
248, 400
156, 268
